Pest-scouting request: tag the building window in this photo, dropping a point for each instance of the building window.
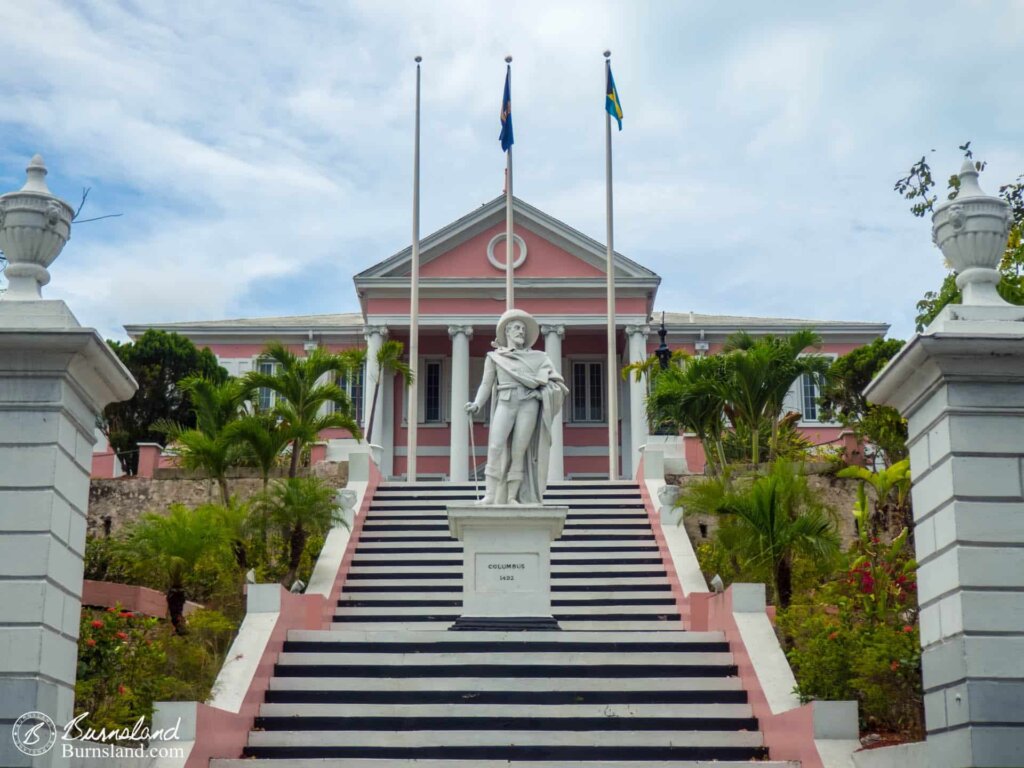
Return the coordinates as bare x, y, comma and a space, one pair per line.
432, 390
266, 397
588, 392
353, 386
809, 391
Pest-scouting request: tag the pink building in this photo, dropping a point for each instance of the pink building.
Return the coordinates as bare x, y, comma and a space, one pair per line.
560, 279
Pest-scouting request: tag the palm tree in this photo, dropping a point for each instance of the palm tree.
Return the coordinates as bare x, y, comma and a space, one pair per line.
688, 398
302, 393
769, 523
262, 438
300, 507
166, 548
760, 374
389, 360
208, 446
891, 486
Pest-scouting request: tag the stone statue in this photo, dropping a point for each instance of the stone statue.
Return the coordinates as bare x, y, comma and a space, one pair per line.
526, 394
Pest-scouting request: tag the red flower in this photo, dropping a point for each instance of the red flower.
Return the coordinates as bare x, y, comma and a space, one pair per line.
122, 690
111, 610
906, 627
122, 635
97, 624
894, 666
129, 614
90, 642
833, 636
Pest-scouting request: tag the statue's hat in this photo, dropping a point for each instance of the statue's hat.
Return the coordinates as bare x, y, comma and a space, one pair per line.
532, 328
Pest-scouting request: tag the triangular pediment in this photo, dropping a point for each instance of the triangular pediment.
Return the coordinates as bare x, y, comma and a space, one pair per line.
474, 247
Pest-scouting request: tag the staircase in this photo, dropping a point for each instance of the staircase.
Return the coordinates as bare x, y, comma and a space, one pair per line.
621, 685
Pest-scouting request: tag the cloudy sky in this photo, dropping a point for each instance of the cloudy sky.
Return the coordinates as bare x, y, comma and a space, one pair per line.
261, 153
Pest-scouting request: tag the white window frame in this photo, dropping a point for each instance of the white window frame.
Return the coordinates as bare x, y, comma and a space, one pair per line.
346, 383
421, 393
257, 365
571, 381
799, 386
442, 406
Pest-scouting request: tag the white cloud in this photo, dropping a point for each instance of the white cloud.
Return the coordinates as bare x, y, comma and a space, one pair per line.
260, 149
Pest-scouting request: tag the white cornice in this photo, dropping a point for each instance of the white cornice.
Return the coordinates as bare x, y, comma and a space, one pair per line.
482, 322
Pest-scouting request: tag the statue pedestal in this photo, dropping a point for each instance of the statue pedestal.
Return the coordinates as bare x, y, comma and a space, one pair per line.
506, 581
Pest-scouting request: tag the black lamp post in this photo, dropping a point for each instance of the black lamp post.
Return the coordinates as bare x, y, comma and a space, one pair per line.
663, 353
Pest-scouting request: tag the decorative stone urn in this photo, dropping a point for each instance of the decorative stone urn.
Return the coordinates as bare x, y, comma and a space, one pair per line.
34, 226
972, 230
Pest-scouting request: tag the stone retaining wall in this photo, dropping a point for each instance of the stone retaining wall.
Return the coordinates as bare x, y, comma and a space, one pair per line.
123, 499
838, 493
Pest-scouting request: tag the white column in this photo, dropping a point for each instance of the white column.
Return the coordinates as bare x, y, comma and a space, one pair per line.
374, 335
637, 338
55, 379
553, 335
458, 469
387, 422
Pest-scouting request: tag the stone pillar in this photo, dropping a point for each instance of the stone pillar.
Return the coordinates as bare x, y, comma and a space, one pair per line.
961, 386
553, 335
636, 335
374, 335
458, 469
55, 379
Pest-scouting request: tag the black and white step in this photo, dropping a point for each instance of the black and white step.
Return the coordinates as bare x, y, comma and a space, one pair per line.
621, 685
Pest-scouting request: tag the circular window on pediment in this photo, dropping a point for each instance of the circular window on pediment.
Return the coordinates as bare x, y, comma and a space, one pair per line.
500, 238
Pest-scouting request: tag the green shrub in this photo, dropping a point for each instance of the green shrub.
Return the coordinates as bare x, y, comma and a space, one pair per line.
194, 660
856, 637
119, 667
126, 662
104, 560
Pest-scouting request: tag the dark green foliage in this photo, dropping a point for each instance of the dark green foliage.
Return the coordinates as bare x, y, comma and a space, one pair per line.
856, 637
126, 662
301, 395
745, 386
842, 398
767, 522
167, 550
158, 361
209, 446
299, 507
105, 560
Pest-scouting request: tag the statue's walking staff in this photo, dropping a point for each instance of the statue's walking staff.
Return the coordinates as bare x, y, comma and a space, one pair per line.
472, 460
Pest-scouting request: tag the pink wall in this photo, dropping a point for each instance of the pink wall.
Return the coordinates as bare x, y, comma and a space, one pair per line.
103, 464
327, 619
536, 306
149, 602
220, 733
788, 735
543, 259
149, 458
682, 604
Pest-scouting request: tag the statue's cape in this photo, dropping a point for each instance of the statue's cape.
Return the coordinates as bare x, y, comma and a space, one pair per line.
533, 369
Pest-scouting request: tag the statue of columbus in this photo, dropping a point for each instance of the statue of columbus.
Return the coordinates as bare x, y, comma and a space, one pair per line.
526, 394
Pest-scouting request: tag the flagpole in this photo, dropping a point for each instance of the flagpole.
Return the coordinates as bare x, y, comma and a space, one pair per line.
412, 392
613, 378
509, 245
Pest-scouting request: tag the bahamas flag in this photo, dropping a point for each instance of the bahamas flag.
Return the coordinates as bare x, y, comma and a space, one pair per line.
506, 138
611, 100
